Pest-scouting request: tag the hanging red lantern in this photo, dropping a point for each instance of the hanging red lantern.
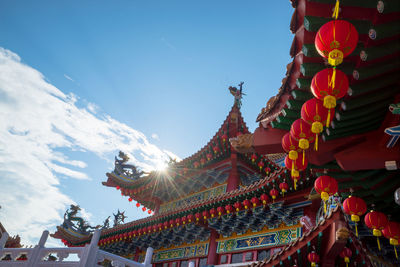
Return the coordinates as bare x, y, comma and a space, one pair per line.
202, 161
316, 115
220, 210
296, 166
346, 255
149, 211
144, 209
253, 158
178, 221
130, 199
335, 40
224, 137
255, 201
209, 156
138, 205
284, 187
118, 187
267, 170
171, 223
290, 145
183, 219
190, 218
301, 132
237, 206
206, 214
273, 193
260, 164
355, 207
216, 149
165, 224
229, 209
264, 198
197, 215
246, 203
324, 88
196, 164
213, 211
392, 232
313, 258
376, 221
326, 186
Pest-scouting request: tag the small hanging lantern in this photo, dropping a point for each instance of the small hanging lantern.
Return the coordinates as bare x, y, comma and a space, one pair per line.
392, 232
171, 223
313, 258
202, 161
253, 158
284, 188
246, 203
267, 170
314, 113
118, 187
224, 137
264, 199
255, 201
229, 209
178, 221
355, 207
206, 215
149, 211
137, 205
213, 211
346, 255
220, 211
326, 186
273, 193
130, 199
260, 164
196, 164
301, 132
144, 209
209, 156
198, 216
190, 218
376, 221
216, 149
237, 206
336, 40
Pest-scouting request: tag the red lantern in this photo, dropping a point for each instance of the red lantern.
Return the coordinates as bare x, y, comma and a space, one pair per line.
216, 149
138, 205
295, 166
202, 161
220, 211
264, 198
237, 206
290, 145
246, 203
229, 209
283, 187
190, 218
335, 40
224, 137
130, 199
316, 115
209, 156
178, 221
149, 211
196, 164
346, 255
118, 187
329, 85
144, 209
255, 201
376, 221
301, 132
198, 216
183, 220
261, 164
212, 212
171, 223
206, 214
165, 224
355, 207
273, 193
267, 170
313, 258
326, 186
392, 232
253, 158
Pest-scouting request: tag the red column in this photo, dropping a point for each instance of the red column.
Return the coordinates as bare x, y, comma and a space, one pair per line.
137, 254
233, 179
212, 258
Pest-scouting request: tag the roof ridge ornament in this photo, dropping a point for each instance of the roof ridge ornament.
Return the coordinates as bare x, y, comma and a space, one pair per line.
237, 93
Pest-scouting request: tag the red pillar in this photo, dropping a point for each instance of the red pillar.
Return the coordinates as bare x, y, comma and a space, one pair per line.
233, 179
212, 258
137, 254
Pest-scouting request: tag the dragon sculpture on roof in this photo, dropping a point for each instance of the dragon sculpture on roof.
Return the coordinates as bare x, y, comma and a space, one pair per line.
128, 170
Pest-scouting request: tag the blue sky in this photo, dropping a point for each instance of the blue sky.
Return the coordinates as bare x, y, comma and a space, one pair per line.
150, 77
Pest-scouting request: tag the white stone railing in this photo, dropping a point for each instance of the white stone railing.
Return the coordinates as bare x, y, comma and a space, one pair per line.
87, 256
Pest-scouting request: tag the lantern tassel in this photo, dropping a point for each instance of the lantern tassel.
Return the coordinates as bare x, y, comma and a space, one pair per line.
325, 207
295, 182
395, 252
336, 10
328, 119
356, 230
304, 154
316, 142
379, 244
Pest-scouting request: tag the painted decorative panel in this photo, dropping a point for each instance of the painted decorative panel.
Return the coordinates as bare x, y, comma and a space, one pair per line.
215, 191
199, 250
276, 238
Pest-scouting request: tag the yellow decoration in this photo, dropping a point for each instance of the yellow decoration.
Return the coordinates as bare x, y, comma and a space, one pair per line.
335, 57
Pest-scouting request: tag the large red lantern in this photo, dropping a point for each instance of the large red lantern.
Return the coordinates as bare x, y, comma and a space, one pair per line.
355, 207
296, 166
313, 258
376, 221
346, 255
290, 145
326, 186
283, 187
335, 40
301, 132
314, 112
392, 232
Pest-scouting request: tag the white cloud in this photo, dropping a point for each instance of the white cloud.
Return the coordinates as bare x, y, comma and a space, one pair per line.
93, 107
155, 136
37, 121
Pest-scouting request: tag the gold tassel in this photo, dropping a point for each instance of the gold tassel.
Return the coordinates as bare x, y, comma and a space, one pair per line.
295, 181
316, 142
325, 207
356, 230
379, 244
328, 119
304, 154
336, 10
395, 252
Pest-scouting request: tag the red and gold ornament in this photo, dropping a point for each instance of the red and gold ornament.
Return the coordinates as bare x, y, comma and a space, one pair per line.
355, 207
313, 258
346, 255
377, 221
326, 186
392, 232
